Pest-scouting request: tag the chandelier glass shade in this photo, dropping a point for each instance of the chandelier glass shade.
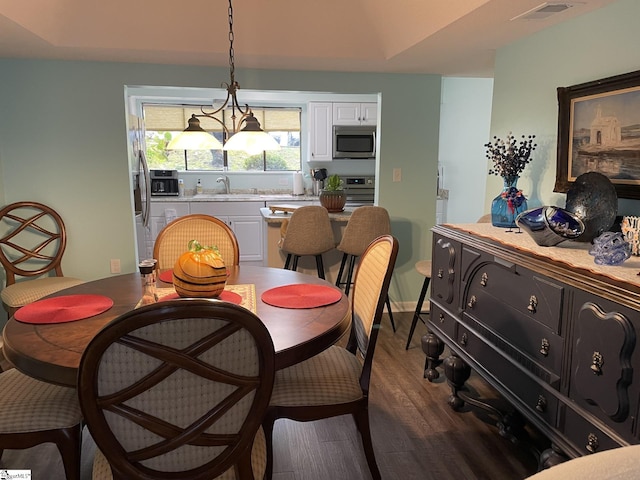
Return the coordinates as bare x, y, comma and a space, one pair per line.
251, 138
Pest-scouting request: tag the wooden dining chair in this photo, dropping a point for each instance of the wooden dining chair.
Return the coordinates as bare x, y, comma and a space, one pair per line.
336, 381
173, 240
178, 389
31, 249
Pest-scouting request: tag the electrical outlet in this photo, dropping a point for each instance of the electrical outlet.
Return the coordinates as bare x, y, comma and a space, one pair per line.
115, 265
397, 174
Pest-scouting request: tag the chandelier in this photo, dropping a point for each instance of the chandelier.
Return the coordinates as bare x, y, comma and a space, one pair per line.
250, 138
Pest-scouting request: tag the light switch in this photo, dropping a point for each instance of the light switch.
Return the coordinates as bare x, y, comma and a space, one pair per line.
397, 174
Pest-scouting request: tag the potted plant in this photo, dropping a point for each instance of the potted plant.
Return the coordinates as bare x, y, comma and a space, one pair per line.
332, 196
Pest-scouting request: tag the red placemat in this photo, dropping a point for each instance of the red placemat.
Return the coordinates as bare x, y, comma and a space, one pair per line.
301, 295
227, 296
166, 276
67, 308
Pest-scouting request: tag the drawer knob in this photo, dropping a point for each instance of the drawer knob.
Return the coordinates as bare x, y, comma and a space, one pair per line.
440, 273
464, 339
544, 347
483, 279
597, 360
441, 317
533, 304
472, 301
541, 405
592, 443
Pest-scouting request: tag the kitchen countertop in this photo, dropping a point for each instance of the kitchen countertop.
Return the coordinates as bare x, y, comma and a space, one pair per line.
278, 217
237, 197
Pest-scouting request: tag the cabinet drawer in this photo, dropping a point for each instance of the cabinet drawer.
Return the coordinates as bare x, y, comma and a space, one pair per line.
533, 295
441, 321
583, 434
168, 209
227, 208
508, 328
524, 390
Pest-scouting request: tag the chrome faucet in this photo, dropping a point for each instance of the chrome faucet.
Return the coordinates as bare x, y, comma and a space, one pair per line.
224, 179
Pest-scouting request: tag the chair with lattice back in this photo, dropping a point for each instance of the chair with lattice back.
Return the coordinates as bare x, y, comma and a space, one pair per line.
31, 249
178, 389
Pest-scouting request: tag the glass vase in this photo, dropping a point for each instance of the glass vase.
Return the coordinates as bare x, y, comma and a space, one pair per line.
508, 205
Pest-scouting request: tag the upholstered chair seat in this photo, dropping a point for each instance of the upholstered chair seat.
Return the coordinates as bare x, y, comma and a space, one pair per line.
330, 377
22, 293
34, 412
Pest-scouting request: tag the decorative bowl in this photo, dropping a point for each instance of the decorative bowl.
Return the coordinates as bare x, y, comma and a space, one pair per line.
593, 198
548, 226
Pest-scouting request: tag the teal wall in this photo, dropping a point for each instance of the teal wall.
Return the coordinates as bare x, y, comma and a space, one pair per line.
63, 142
527, 73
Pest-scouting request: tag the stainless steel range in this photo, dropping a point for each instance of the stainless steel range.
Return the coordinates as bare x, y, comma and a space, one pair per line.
360, 190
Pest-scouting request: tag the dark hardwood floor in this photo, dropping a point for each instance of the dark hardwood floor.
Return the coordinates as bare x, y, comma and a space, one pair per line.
415, 433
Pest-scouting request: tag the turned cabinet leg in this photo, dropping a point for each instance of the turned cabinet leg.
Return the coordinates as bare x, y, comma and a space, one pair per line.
433, 347
457, 373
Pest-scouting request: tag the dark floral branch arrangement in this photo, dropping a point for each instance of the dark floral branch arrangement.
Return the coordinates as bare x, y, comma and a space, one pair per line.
510, 156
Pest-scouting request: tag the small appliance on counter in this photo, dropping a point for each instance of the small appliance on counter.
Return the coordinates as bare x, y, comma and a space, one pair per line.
318, 175
164, 183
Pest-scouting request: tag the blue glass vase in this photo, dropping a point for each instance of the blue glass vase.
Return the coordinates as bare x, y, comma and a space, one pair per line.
508, 205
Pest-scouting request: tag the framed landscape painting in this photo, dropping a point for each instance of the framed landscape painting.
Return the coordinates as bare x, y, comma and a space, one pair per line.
599, 131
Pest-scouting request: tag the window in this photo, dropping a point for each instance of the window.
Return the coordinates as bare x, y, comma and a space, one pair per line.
162, 122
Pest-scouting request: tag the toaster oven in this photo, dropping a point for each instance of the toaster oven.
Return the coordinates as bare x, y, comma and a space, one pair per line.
164, 183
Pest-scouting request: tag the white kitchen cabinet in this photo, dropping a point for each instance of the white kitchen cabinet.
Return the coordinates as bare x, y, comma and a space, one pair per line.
163, 213
348, 113
320, 137
246, 222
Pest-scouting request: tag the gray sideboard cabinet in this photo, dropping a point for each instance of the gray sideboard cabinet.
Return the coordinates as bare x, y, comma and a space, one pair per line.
557, 339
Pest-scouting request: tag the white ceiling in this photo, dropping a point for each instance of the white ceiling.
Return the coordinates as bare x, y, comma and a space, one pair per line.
450, 37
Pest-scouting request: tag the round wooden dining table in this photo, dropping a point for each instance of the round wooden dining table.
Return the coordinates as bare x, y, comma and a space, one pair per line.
51, 352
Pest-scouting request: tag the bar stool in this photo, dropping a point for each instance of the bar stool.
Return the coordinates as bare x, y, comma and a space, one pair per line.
423, 267
308, 232
365, 225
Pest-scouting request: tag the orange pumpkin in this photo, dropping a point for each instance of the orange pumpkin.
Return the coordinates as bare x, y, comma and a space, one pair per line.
199, 272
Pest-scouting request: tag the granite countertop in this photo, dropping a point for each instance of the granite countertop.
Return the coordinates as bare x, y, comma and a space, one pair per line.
237, 197
278, 217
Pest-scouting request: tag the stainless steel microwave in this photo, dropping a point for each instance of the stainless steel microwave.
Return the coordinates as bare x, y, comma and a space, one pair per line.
354, 141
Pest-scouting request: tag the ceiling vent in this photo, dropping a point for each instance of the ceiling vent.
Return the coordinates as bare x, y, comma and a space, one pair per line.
543, 11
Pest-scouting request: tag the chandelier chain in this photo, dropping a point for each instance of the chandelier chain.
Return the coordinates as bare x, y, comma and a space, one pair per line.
231, 53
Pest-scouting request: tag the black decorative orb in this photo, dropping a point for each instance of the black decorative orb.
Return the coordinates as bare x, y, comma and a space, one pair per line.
548, 226
593, 198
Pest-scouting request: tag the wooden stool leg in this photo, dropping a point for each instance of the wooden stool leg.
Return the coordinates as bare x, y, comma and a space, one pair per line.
320, 266
416, 314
